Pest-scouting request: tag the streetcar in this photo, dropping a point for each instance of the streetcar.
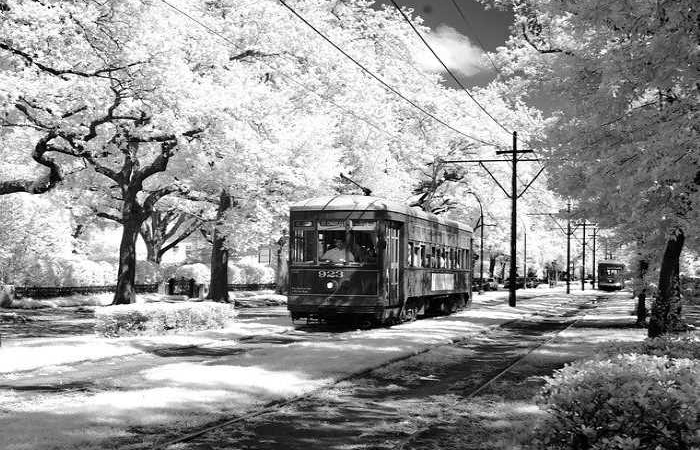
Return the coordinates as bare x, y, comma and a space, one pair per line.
610, 275
367, 261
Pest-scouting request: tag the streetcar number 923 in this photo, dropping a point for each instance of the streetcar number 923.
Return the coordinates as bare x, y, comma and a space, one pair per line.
330, 274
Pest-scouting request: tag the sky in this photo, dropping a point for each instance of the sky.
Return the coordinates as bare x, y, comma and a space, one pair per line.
459, 42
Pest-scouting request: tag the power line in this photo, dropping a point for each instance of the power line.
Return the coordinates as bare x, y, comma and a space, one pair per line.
370, 73
486, 53
481, 44
446, 68
289, 78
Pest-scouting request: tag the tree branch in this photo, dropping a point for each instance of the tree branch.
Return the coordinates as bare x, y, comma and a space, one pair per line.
109, 216
61, 73
543, 50
43, 183
194, 226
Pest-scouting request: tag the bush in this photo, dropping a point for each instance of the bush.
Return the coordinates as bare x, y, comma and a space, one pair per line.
147, 272
685, 345
161, 318
235, 274
674, 346
253, 272
200, 272
627, 402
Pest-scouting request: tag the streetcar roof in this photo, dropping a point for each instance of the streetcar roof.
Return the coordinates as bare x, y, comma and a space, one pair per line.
367, 203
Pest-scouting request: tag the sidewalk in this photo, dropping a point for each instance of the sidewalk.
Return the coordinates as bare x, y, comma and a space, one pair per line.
125, 400
25, 354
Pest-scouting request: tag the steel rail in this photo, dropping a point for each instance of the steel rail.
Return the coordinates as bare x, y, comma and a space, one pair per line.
413, 436
277, 404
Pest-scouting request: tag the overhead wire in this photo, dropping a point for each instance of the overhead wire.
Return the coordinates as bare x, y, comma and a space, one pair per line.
454, 77
290, 78
382, 82
483, 48
456, 80
481, 44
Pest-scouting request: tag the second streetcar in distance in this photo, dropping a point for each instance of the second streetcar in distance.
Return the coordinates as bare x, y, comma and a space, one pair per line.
368, 261
610, 275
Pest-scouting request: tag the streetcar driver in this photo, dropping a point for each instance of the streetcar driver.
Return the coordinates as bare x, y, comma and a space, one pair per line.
338, 253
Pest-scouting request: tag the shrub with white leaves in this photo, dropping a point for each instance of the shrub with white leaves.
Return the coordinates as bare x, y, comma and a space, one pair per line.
630, 401
162, 318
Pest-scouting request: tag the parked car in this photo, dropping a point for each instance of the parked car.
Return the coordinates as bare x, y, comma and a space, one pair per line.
532, 282
487, 284
491, 284
519, 283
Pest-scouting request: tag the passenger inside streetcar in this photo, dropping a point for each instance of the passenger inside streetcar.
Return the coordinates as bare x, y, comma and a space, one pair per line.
338, 252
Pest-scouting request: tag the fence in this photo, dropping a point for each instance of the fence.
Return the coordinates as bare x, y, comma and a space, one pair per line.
50, 292
252, 287
63, 291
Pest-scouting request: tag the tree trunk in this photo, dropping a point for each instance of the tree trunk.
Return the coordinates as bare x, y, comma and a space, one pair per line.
642, 295
666, 310
126, 275
152, 253
218, 286
281, 273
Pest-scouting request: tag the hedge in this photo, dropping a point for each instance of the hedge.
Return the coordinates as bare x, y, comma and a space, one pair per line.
630, 401
162, 318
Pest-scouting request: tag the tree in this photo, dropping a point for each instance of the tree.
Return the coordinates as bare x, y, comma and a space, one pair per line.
163, 230
107, 88
623, 132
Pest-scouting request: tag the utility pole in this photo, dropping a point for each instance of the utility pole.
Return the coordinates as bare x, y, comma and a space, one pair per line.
583, 264
568, 233
595, 232
583, 252
568, 247
481, 247
514, 215
525, 254
513, 195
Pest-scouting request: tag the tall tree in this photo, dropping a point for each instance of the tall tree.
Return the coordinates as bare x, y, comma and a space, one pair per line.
105, 87
623, 84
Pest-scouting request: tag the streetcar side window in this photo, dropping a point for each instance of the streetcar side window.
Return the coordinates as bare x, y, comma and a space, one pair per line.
303, 245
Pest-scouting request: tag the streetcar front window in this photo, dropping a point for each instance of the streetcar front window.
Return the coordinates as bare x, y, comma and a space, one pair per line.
347, 244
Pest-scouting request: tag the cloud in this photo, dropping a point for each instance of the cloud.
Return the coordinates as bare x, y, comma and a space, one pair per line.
454, 49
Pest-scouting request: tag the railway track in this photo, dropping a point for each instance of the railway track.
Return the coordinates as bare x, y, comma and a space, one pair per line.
284, 424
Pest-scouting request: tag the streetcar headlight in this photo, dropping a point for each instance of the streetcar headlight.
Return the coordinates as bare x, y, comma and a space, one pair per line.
330, 285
